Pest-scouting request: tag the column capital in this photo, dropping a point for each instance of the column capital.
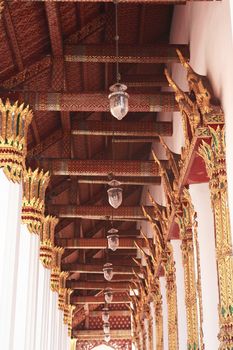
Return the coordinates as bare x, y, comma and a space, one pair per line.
56, 268
47, 240
14, 123
34, 187
62, 289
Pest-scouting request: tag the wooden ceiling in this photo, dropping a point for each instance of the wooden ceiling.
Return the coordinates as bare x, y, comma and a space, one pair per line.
60, 58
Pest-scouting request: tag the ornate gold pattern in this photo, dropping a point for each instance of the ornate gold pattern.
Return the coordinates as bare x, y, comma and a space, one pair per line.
158, 317
70, 317
169, 265
14, 123
204, 97
66, 305
47, 240
161, 253
34, 187
198, 107
186, 220
215, 161
56, 268
199, 290
62, 289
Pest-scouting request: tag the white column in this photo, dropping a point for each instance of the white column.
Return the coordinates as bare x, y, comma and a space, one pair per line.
182, 321
46, 307
43, 308
53, 328
165, 312
66, 337
152, 312
21, 290
32, 288
26, 291
201, 200
60, 330
10, 215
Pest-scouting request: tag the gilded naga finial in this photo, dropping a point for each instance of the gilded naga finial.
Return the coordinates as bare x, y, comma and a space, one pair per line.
179, 93
183, 61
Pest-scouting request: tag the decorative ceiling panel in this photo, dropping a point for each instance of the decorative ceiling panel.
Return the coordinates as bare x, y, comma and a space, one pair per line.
7, 66
69, 18
29, 20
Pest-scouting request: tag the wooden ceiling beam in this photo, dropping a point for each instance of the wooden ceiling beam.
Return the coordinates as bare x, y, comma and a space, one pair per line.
124, 128
91, 27
88, 268
57, 189
124, 261
144, 80
113, 313
28, 73
58, 72
12, 37
35, 69
123, 180
98, 334
120, 1
99, 212
116, 278
98, 243
90, 167
62, 224
98, 299
98, 102
104, 53
35, 150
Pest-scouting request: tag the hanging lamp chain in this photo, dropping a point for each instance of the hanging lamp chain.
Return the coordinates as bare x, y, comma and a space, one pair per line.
118, 76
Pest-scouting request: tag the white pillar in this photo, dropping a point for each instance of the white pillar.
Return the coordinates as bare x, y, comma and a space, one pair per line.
201, 200
60, 330
21, 290
43, 307
26, 291
165, 312
32, 288
53, 328
152, 312
182, 321
10, 215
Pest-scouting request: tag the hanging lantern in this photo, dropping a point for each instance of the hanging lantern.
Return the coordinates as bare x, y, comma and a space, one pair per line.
107, 338
119, 100
106, 328
108, 271
105, 315
115, 194
113, 239
108, 296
